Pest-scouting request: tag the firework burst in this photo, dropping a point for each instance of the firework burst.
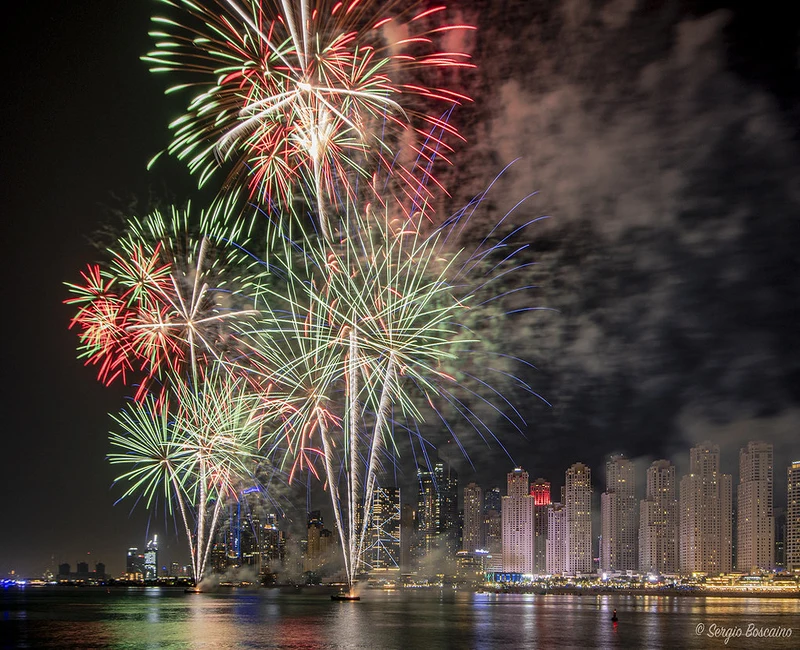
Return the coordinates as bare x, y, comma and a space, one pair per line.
360, 335
167, 303
303, 100
193, 451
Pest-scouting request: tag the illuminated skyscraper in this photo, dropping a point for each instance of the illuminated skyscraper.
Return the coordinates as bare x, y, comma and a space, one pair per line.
706, 511
493, 526
408, 538
618, 517
793, 518
272, 545
474, 516
755, 545
437, 518
134, 565
518, 524
540, 491
314, 558
493, 499
578, 504
658, 521
556, 558
383, 552
151, 559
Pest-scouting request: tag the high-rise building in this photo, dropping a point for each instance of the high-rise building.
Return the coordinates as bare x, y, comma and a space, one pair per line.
408, 537
755, 539
780, 539
556, 559
493, 526
151, 559
578, 504
437, 518
493, 499
314, 558
272, 545
518, 524
793, 518
540, 491
474, 537
658, 521
706, 514
618, 549
134, 565
385, 531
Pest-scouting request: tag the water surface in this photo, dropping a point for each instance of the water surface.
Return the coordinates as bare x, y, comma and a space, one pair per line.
71, 618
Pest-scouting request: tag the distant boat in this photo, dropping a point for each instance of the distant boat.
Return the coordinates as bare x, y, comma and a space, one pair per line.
614, 618
344, 596
193, 590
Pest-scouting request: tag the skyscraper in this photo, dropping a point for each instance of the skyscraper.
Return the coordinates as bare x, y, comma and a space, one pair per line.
578, 497
556, 559
437, 517
793, 518
407, 538
618, 517
493, 499
272, 545
315, 557
151, 559
706, 511
385, 533
540, 491
755, 543
518, 524
493, 523
658, 521
134, 565
474, 537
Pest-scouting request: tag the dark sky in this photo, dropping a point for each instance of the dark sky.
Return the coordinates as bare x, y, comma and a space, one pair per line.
662, 138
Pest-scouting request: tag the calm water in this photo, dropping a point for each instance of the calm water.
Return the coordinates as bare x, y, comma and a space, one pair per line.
155, 618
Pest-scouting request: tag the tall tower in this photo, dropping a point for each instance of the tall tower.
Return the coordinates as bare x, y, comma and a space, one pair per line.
618, 517
578, 496
658, 521
518, 524
556, 561
437, 514
706, 514
755, 539
793, 518
385, 530
151, 559
540, 491
474, 537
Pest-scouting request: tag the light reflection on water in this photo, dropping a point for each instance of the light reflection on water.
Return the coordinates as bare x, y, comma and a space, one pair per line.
163, 618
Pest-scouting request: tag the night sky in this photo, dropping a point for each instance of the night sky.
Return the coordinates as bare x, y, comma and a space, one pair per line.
662, 138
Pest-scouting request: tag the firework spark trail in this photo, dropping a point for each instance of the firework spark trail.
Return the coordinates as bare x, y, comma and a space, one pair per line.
192, 450
366, 327
167, 301
302, 107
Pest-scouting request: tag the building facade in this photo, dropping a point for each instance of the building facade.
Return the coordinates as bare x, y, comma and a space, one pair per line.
793, 518
517, 515
437, 518
578, 505
540, 491
706, 514
755, 523
658, 521
474, 518
383, 553
556, 560
618, 551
